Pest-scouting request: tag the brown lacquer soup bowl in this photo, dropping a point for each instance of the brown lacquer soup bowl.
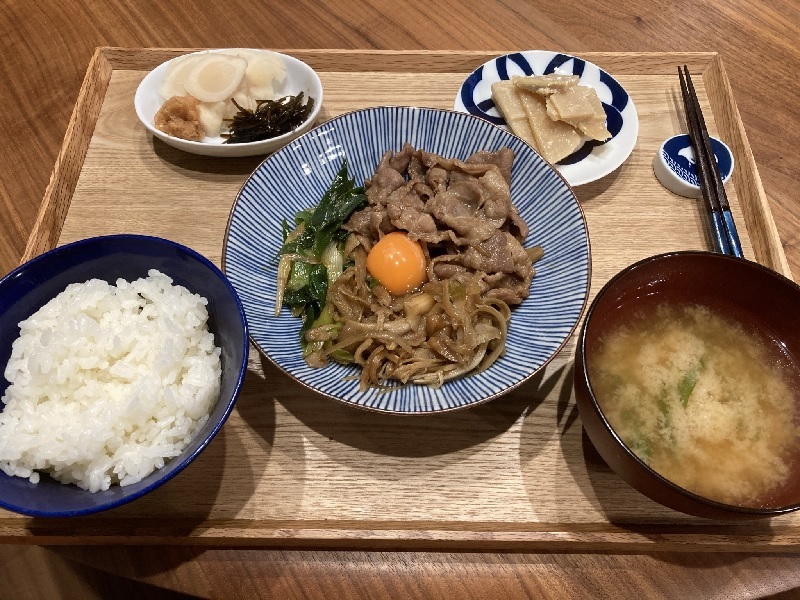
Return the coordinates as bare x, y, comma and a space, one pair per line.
702, 420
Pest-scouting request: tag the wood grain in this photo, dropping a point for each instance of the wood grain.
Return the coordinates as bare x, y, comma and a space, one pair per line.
732, 30
47, 47
314, 574
298, 470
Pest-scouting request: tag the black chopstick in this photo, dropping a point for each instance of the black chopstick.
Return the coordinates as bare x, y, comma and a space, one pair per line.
726, 238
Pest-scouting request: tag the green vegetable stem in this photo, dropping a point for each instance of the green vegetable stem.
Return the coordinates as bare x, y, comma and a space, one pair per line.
311, 257
688, 382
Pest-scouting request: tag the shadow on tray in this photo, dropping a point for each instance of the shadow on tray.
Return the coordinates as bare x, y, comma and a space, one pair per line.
590, 489
188, 499
202, 165
403, 436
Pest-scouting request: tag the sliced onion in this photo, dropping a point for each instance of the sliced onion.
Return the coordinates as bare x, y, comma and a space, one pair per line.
284, 268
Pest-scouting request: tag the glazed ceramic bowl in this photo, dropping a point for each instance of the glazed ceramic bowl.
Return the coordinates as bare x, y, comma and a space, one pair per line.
30, 286
299, 78
539, 326
742, 291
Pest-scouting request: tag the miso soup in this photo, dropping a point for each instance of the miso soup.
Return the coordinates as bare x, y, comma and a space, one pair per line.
704, 402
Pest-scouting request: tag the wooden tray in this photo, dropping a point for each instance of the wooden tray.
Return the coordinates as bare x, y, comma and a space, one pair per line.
294, 469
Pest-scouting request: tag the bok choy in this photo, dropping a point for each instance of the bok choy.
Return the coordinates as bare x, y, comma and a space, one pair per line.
311, 257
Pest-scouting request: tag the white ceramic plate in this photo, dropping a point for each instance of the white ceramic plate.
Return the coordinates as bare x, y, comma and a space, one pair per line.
539, 327
299, 78
594, 159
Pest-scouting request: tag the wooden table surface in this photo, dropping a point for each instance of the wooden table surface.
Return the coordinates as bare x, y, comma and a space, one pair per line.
46, 47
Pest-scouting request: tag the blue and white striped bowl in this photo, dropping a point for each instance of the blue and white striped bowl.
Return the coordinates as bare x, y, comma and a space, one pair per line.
594, 159
295, 177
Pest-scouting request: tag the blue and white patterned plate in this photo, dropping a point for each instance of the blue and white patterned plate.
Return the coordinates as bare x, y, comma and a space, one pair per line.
594, 159
295, 177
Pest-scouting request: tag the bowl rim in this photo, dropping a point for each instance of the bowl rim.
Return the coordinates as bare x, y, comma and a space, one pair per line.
182, 464
487, 398
721, 507
286, 137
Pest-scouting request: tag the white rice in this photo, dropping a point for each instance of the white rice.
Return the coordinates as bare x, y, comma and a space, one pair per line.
108, 382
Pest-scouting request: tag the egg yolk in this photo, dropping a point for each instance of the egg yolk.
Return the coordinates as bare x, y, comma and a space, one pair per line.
398, 263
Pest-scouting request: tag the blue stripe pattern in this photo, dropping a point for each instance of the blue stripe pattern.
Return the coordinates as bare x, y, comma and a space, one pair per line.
593, 159
295, 177
475, 93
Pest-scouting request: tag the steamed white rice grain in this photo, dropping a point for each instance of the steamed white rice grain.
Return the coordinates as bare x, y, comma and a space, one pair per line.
108, 383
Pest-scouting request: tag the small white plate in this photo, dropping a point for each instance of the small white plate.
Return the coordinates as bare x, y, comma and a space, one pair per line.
299, 78
594, 159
